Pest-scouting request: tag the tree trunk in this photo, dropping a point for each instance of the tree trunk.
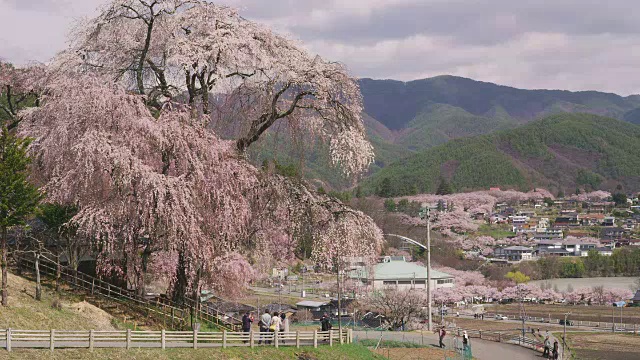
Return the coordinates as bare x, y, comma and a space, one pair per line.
58, 271
38, 285
195, 307
4, 250
140, 283
143, 58
180, 285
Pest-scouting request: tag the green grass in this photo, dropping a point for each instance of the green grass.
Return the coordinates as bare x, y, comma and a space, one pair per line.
495, 231
390, 344
351, 351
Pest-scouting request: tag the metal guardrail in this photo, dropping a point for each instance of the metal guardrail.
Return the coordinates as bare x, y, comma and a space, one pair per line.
606, 326
90, 339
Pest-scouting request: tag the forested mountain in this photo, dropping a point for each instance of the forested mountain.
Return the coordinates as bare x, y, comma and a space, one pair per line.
561, 151
405, 118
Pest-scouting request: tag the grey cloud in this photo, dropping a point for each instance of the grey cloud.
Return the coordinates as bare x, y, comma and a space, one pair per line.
567, 44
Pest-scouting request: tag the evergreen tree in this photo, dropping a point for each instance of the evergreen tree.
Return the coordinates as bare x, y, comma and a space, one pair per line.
385, 189
18, 198
390, 205
444, 188
620, 199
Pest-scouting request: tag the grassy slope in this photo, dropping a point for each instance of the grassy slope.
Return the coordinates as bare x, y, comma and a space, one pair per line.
560, 150
25, 313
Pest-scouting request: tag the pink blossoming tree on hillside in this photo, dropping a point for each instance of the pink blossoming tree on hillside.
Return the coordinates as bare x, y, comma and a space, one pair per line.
159, 191
173, 197
164, 48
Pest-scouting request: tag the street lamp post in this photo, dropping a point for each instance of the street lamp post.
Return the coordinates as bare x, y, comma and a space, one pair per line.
430, 322
564, 333
427, 248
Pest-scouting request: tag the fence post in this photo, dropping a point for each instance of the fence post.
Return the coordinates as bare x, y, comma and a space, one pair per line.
93, 284
297, 338
91, 340
275, 338
251, 342
52, 334
195, 338
315, 339
9, 339
224, 338
128, 339
480, 332
163, 339
499, 337
330, 337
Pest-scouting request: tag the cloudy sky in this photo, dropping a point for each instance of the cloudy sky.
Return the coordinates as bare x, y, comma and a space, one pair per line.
559, 44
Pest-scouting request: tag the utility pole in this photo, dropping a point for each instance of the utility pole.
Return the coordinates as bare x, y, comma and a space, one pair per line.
426, 213
564, 333
339, 295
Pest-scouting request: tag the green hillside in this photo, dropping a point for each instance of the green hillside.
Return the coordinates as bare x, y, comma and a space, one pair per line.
438, 123
561, 151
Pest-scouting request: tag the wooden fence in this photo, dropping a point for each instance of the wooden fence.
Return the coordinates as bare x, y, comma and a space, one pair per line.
162, 309
90, 339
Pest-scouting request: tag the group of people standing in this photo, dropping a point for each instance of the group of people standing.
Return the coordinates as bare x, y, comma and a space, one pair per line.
466, 344
548, 352
274, 323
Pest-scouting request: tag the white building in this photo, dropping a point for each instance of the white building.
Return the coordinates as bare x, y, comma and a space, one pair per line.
514, 253
402, 274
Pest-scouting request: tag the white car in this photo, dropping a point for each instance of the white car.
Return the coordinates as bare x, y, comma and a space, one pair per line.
501, 317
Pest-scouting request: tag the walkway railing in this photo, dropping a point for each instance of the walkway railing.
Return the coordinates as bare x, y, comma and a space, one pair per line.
90, 339
605, 326
162, 309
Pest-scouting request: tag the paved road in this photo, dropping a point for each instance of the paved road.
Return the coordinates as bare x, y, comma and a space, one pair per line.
481, 349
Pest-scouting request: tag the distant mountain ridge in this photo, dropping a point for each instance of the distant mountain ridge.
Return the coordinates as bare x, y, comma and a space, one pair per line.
560, 152
395, 103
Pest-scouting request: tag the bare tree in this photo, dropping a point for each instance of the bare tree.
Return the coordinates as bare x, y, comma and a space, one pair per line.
397, 306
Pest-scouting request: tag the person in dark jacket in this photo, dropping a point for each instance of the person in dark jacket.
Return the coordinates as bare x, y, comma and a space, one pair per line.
247, 320
555, 352
325, 323
441, 334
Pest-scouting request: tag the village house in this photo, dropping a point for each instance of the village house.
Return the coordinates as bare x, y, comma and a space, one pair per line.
514, 253
569, 248
609, 221
591, 219
548, 234
498, 219
519, 222
401, 274
597, 208
567, 220
612, 233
